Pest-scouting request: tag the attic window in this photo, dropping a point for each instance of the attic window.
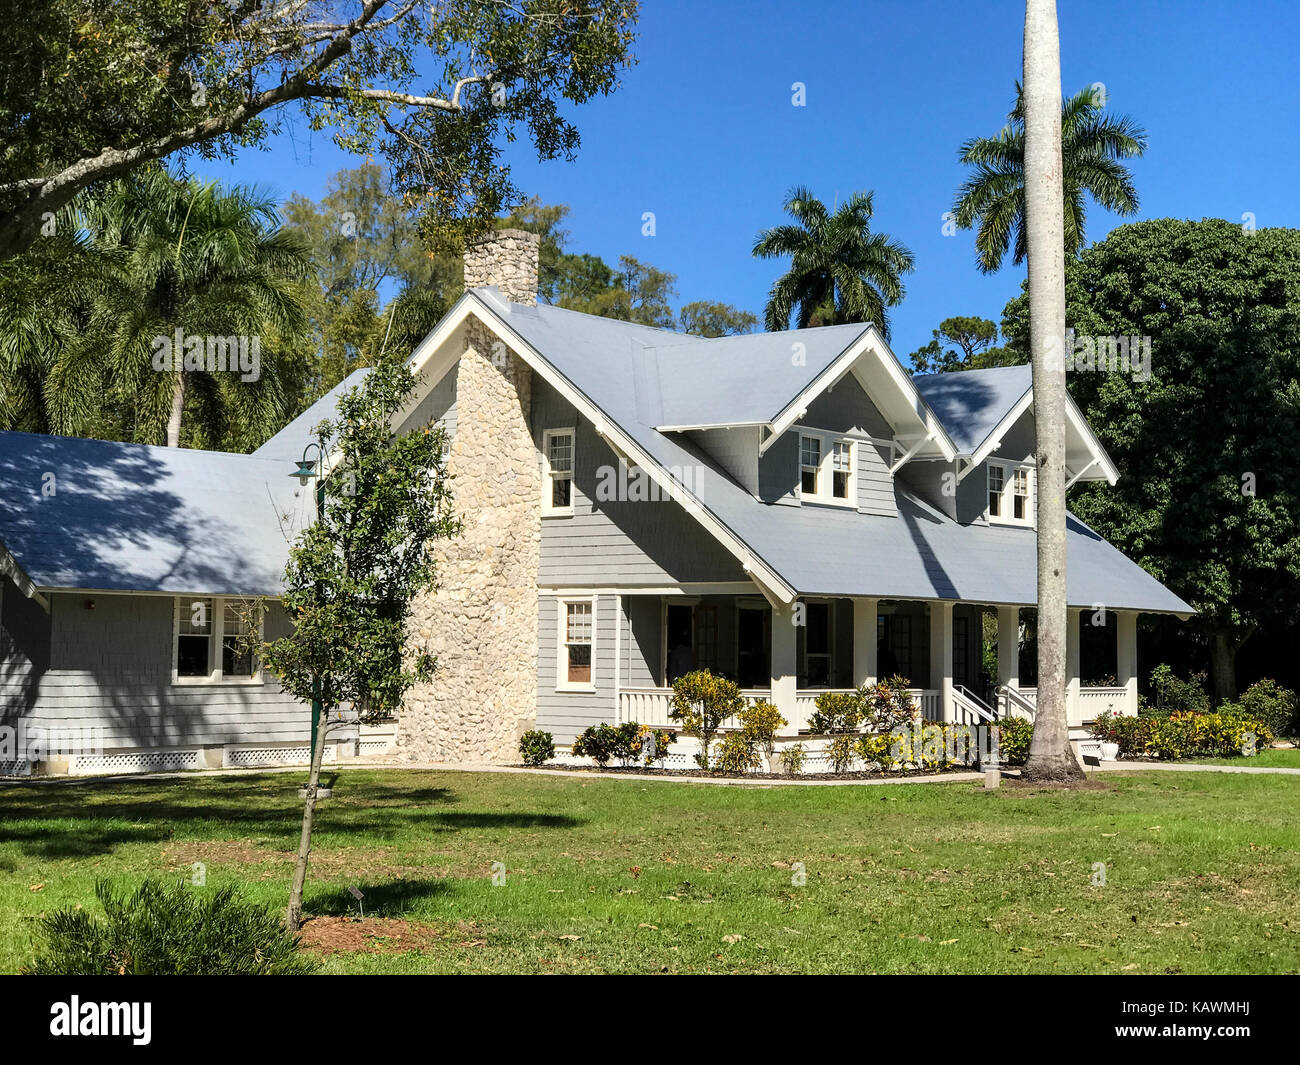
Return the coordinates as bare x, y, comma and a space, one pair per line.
841, 468
1010, 494
810, 462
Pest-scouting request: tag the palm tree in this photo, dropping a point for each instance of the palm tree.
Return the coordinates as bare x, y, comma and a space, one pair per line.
839, 270
1092, 147
1046, 233
164, 255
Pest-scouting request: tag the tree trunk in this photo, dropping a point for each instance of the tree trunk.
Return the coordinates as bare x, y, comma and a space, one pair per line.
1050, 756
178, 407
1223, 665
293, 917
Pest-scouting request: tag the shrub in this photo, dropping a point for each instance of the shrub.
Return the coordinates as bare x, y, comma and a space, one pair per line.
701, 703
737, 754
627, 743
878, 751
841, 751
1206, 735
161, 930
598, 743
1133, 734
887, 705
662, 738
836, 713
1014, 736
1174, 695
761, 721
1274, 705
792, 759
536, 747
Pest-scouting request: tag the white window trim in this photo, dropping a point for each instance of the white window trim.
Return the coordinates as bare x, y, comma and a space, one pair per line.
562, 682
548, 508
215, 637
1008, 493
826, 471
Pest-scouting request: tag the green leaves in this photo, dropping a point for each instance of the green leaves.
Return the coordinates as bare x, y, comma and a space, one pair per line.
839, 270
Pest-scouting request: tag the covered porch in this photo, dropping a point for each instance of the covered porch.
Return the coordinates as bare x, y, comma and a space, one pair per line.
791, 654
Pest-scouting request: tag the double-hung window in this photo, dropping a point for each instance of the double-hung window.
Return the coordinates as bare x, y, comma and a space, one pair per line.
557, 487
577, 632
1010, 493
825, 468
810, 466
215, 639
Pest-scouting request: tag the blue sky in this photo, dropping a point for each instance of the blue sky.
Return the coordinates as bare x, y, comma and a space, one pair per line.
703, 132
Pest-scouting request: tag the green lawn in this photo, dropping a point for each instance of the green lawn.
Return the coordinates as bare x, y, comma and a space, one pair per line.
1202, 869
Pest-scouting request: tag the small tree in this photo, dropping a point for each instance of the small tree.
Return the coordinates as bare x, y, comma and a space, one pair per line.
352, 575
761, 721
701, 703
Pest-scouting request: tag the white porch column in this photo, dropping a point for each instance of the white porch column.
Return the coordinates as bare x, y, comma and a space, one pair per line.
1009, 646
785, 667
941, 655
865, 669
1126, 672
1072, 711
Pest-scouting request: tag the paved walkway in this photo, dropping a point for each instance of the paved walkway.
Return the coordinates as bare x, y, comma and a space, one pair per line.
733, 782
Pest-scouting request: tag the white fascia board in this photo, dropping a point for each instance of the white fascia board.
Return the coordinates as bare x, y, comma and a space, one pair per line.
10, 568
1073, 416
869, 342
703, 428
472, 303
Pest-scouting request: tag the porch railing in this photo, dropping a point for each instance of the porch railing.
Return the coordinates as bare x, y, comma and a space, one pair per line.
650, 706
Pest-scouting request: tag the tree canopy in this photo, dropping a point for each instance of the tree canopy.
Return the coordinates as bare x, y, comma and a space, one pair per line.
90, 90
963, 343
1093, 147
1210, 498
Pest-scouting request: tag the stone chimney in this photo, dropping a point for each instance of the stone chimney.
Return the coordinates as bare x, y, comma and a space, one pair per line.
506, 258
481, 623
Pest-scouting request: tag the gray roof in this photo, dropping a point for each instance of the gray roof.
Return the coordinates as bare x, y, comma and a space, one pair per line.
289, 442
140, 518
817, 550
971, 403
133, 517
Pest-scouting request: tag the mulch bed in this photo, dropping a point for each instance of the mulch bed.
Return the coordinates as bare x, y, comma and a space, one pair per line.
656, 772
382, 935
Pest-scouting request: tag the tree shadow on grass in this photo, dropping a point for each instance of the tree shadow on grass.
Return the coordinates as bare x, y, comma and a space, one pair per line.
94, 817
392, 898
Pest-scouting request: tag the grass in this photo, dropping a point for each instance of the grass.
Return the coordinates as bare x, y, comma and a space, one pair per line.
1202, 870
1269, 759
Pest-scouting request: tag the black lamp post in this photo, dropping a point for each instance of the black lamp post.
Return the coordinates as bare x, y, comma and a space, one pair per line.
307, 469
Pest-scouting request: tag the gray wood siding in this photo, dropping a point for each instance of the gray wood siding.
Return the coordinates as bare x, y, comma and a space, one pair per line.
623, 542
24, 652
565, 714
847, 408
778, 471
875, 482
110, 667
642, 635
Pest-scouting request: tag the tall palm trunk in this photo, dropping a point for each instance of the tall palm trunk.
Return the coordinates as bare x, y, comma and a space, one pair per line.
1050, 754
178, 408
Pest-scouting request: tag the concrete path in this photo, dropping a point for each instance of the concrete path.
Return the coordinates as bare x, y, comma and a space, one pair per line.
1191, 767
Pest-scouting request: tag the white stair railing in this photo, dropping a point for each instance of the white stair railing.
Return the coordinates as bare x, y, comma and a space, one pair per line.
1011, 699
971, 709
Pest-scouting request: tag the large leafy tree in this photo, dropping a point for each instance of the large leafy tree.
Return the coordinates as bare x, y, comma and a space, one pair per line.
1210, 497
963, 343
1094, 145
839, 270
354, 572
158, 261
90, 90
375, 278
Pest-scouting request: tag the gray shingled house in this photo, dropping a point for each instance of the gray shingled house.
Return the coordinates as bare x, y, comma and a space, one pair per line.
789, 509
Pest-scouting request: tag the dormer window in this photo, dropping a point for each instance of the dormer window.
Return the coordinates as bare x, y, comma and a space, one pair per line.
1010, 491
825, 468
810, 464
557, 483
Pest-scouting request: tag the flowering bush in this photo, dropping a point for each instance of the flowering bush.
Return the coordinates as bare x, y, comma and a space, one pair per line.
792, 759
760, 721
1014, 737
878, 751
659, 751
1206, 735
836, 713
840, 751
599, 743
